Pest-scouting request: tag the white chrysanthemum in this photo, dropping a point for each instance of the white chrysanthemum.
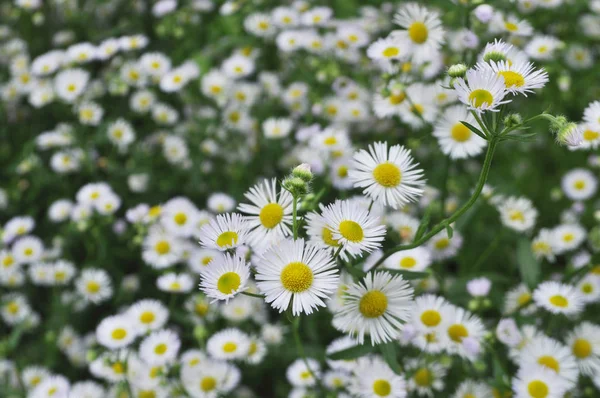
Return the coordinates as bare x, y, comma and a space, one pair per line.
424, 30
354, 228
376, 307
259, 24
142, 101
148, 314
94, 285
269, 214
510, 24
558, 298
519, 297
391, 178
155, 64
460, 325
320, 233
543, 48
390, 48
417, 259
536, 382
121, 133
483, 90
521, 77
116, 332
584, 342
160, 347
34, 375
210, 381
52, 386
225, 276
296, 272
441, 246
426, 378
373, 378
179, 216
517, 213
70, 84
589, 288
455, 139
568, 237
175, 283
228, 344
301, 375
579, 184
225, 232
28, 249
161, 250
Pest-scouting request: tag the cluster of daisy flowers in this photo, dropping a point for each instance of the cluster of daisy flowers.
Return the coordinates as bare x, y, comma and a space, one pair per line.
150, 247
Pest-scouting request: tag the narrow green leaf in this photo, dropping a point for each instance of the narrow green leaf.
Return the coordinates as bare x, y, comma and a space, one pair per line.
388, 351
353, 352
424, 223
529, 266
408, 275
474, 129
449, 231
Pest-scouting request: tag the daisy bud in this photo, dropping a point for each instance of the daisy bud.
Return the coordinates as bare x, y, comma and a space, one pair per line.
296, 186
457, 70
514, 119
508, 333
570, 134
484, 13
495, 56
303, 172
200, 332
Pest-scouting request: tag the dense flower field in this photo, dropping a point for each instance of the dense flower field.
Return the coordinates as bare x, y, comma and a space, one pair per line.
304, 199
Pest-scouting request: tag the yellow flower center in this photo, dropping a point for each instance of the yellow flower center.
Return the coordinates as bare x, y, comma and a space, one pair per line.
52, 391
511, 27
201, 308
512, 79
160, 349
582, 348
587, 288
228, 238
229, 347
479, 97
524, 299
431, 318
118, 368
417, 109
549, 362
460, 132
579, 185
418, 32
391, 52
71, 87
93, 287
442, 243
328, 238
397, 98
296, 277
537, 389
516, 215
342, 172
382, 387
351, 230
387, 174
208, 384
228, 283
119, 334
180, 218
271, 215
146, 394
423, 377
147, 317
7, 261
35, 380
12, 307
162, 247
408, 262
559, 301
28, 251
373, 304
590, 135
457, 332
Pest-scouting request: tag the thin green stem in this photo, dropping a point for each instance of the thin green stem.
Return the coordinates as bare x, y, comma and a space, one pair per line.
300, 348
337, 252
295, 216
260, 296
489, 250
487, 163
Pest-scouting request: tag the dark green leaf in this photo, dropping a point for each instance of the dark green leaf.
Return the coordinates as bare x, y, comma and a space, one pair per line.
474, 129
529, 266
353, 352
388, 351
408, 275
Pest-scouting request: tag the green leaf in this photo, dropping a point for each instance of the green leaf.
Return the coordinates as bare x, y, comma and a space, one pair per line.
388, 351
353, 352
530, 137
424, 223
355, 272
408, 275
449, 231
474, 129
529, 266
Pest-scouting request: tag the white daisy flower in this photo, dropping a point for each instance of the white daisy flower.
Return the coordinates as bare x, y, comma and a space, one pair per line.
175, 283
558, 298
373, 378
301, 375
161, 250
568, 237
90, 113
390, 178
52, 386
226, 231
517, 213
542, 48
28, 249
589, 288
228, 344
552, 355
542, 245
510, 24
34, 375
116, 332
519, 297
423, 29
584, 342
353, 228
377, 307
417, 259
269, 214
179, 216
426, 378
70, 84
388, 49
455, 139
225, 276
579, 184
442, 247
483, 90
148, 314
428, 316
94, 285
295, 272
160, 347
210, 381
460, 325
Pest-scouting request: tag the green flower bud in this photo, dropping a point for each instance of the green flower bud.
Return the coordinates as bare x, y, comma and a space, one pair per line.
457, 70
296, 186
512, 120
303, 172
495, 56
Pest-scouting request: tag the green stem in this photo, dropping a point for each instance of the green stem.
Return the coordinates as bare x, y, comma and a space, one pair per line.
487, 163
489, 250
295, 216
260, 296
300, 348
